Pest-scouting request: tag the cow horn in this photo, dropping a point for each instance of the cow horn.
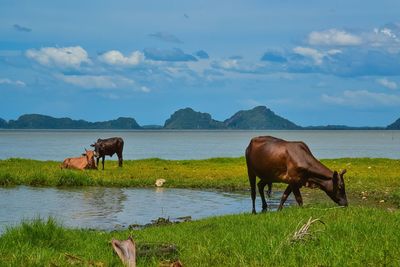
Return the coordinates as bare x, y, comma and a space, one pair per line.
343, 172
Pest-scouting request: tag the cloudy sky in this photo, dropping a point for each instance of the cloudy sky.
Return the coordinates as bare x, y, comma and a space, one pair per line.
313, 62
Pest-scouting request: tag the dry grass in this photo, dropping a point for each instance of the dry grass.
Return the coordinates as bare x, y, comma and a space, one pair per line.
303, 233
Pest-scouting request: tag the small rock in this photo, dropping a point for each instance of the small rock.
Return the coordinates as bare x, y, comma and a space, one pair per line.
382, 201
160, 182
369, 167
364, 198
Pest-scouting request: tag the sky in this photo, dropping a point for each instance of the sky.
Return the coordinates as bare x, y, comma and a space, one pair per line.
312, 62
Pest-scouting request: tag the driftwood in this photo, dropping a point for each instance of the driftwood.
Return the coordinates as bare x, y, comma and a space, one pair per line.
126, 251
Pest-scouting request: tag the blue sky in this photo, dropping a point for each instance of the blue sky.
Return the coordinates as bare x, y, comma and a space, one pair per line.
313, 62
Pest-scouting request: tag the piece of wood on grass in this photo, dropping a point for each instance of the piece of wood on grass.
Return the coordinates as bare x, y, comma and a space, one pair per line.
126, 251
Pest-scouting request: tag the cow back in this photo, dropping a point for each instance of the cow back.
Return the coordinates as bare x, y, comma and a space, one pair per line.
278, 160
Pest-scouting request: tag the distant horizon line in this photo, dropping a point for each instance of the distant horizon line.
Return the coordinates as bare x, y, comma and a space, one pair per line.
153, 126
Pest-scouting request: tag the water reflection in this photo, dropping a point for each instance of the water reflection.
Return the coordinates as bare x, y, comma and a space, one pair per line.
102, 202
107, 208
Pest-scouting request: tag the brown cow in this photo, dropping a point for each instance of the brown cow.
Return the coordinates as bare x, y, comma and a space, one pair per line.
85, 162
275, 160
109, 147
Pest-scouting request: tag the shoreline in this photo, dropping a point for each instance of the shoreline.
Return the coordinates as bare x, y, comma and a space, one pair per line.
378, 176
228, 240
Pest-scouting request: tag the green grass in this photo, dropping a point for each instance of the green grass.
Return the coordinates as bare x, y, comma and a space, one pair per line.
364, 234
354, 236
375, 179
227, 173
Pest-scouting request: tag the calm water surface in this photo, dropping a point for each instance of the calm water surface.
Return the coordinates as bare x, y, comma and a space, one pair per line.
59, 144
111, 208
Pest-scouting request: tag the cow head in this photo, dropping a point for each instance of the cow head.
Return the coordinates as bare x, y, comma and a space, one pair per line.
98, 149
90, 154
338, 193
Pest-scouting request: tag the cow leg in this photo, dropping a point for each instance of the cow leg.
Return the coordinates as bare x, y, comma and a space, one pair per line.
269, 190
102, 161
297, 195
119, 159
97, 161
252, 180
285, 195
261, 185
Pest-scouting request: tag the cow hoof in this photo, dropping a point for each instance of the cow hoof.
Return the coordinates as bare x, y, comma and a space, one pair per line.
254, 212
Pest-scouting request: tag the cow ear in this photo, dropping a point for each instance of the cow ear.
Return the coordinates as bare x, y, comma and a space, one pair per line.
343, 172
83, 154
85, 149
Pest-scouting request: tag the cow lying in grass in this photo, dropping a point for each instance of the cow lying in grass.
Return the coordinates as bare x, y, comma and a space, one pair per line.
87, 161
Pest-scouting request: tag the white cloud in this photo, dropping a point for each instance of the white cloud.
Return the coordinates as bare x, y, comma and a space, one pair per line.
386, 37
11, 82
333, 52
104, 82
362, 98
316, 55
64, 57
387, 83
115, 57
145, 89
333, 37
89, 81
237, 65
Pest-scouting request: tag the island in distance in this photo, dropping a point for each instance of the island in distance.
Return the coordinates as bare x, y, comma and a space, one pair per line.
258, 118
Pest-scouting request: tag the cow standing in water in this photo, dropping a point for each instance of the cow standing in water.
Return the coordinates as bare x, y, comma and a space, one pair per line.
275, 160
108, 147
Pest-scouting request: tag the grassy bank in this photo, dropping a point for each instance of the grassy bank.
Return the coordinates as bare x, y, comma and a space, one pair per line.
354, 236
371, 179
364, 234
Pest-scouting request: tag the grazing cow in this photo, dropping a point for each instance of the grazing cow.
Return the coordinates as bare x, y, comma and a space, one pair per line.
275, 160
108, 147
85, 162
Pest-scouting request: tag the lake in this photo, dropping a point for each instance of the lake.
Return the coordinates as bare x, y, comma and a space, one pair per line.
200, 144
116, 208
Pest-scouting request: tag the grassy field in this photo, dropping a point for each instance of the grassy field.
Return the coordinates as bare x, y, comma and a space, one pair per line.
353, 236
364, 234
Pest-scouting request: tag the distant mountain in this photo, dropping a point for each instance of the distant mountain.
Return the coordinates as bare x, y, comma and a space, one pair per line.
3, 123
259, 118
37, 121
394, 126
341, 127
187, 118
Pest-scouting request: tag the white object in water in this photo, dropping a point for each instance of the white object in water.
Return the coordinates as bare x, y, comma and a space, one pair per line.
160, 182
